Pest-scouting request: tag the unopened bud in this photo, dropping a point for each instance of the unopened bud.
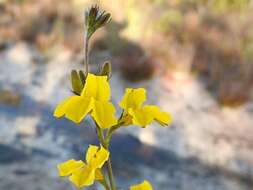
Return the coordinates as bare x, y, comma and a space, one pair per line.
103, 20
106, 70
94, 19
82, 77
77, 85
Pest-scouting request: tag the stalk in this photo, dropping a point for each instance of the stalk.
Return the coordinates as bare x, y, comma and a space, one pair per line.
110, 173
104, 183
95, 19
86, 53
108, 163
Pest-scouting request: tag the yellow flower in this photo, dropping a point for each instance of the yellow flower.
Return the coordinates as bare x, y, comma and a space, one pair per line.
84, 174
145, 185
94, 99
142, 115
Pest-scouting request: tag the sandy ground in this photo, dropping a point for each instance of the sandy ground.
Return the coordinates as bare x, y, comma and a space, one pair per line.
206, 147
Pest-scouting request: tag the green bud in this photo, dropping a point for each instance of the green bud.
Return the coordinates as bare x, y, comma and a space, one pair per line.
106, 70
92, 15
93, 12
103, 20
82, 77
77, 85
94, 19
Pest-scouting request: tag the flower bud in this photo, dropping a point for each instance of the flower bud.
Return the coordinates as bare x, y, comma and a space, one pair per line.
94, 19
82, 77
106, 70
104, 19
93, 12
77, 85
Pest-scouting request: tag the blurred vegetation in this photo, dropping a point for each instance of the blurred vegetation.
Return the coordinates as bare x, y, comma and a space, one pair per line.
218, 32
212, 38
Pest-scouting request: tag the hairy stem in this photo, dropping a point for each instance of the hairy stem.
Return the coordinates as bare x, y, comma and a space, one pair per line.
104, 183
110, 173
106, 186
108, 163
86, 58
110, 132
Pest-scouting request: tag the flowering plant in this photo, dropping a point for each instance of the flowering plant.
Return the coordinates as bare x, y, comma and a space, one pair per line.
91, 96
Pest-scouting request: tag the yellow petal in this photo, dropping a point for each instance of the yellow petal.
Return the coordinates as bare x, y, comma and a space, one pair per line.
99, 175
145, 185
91, 152
68, 167
61, 108
145, 115
133, 98
75, 108
141, 117
96, 87
104, 114
163, 118
82, 177
100, 158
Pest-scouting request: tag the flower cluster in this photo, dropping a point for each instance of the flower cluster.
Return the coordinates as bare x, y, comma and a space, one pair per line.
91, 97
95, 101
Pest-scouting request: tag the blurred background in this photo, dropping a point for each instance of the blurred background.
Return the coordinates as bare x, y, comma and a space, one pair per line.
194, 57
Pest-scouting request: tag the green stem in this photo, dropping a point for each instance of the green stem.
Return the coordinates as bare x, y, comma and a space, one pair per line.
106, 186
110, 173
110, 132
114, 128
86, 58
109, 163
100, 135
104, 182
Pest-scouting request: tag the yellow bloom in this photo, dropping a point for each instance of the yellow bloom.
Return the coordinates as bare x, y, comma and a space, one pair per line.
67, 168
145, 185
94, 99
84, 174
142, 115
